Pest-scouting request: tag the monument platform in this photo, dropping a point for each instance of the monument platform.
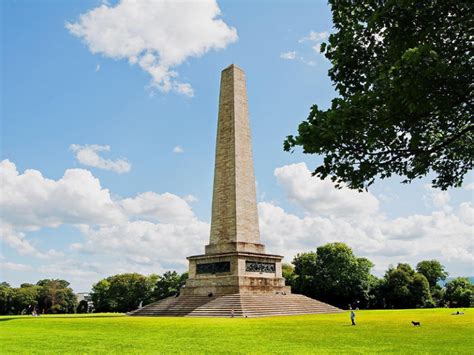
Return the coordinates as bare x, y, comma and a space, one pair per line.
235, 272
243, 305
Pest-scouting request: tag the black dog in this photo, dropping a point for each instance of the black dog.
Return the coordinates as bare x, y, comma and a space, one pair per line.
415, 324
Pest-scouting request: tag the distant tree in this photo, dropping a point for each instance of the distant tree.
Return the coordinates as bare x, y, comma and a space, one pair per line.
305, 278
334, 275
403, 72
420, 292
396, 290
404, 288
100, 296
6, 293
169, 284
376, 293
288, 272
459, 293
433, 271
437, 294
82, 307
121, 293
55, 296
24, 298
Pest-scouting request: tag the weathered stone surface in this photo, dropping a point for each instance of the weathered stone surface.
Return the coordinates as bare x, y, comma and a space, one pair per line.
234, 225
236, 305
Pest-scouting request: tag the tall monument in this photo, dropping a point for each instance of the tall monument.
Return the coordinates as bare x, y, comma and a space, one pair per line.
234, 276
234, 260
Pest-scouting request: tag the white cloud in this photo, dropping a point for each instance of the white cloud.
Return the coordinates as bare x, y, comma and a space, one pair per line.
17, 240
157, 35
88, 155
97, 67
469, 186
30, 201
288, 55
311, 63
178, 149
190, 198
466, 213
165, 244
314, 39
354, 219
14, 266
436, 198
164, 208
148, 233
314, 36
319, 196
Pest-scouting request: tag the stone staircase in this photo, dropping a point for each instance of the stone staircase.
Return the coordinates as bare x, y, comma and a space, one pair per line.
244, 305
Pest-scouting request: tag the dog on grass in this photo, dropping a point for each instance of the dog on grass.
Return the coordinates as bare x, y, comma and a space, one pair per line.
415, 324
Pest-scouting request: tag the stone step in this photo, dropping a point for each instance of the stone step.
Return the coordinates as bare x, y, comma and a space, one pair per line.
243, 305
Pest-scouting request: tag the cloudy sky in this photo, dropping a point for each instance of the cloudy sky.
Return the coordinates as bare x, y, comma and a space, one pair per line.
109, 115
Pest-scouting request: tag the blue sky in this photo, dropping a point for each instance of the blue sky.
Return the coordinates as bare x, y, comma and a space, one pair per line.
64, 85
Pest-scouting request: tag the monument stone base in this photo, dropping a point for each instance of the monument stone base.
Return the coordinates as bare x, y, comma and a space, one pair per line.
235, 272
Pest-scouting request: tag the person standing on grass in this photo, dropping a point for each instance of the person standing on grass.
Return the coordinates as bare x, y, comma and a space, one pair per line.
353, 316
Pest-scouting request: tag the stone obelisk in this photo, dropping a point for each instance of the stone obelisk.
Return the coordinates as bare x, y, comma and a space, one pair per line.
234, 225
234, 260
234, 277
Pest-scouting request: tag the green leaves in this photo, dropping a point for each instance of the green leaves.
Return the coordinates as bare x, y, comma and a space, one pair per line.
403, 71
333, 274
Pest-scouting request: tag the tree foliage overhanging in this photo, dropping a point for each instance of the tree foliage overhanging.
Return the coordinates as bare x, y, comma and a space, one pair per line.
404, 74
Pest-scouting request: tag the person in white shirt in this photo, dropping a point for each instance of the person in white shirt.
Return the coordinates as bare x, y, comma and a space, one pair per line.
353, 316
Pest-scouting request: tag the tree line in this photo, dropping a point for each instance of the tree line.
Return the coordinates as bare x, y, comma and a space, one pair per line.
332, 274
46, 296
118, 293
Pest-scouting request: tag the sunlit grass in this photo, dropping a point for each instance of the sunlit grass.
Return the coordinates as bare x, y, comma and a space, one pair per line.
376, 331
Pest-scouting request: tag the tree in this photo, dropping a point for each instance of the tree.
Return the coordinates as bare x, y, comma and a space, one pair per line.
305, 268
334, 275
24, 298
122, 293
376, 293
433, 271
420, 292
403, 71
404, 288
169, 285
55, 296
82, 307
100, 296
5, 298
288, 272
459, 292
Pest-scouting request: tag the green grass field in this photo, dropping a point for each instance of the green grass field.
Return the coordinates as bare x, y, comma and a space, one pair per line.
376, 332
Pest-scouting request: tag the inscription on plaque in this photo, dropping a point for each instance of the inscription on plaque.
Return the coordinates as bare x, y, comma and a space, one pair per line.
213, 268
255, 266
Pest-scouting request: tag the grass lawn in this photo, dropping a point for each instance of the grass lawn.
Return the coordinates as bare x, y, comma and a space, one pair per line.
376, 332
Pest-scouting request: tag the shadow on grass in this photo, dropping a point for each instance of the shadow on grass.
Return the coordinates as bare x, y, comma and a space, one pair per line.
47, 316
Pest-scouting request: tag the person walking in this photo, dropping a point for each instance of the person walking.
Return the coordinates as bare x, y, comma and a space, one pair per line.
353, 316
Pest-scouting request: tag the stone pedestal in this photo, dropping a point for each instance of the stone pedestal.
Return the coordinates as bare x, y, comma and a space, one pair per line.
235, 272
